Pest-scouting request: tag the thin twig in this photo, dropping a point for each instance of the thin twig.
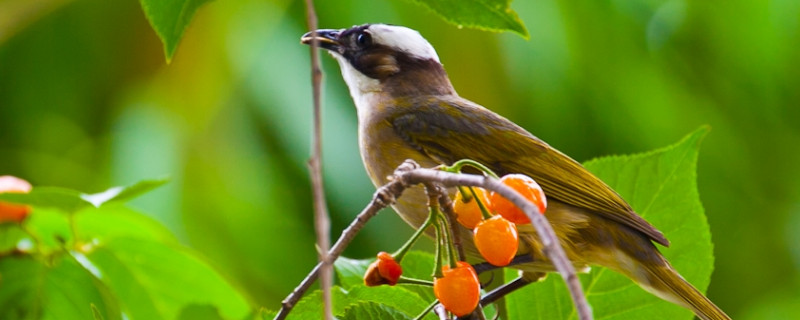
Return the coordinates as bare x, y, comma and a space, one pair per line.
500, 292
322, 221
409, 174
440, 311
384, 196
447, 207
551, 246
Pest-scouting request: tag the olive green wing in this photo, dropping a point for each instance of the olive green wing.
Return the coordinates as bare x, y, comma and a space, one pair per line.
450, 130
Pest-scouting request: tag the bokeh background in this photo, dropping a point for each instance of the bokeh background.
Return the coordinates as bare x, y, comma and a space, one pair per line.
87, 101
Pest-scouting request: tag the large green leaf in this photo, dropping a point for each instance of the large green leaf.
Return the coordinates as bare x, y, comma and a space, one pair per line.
416, 264
71, 201
10, 236
169, 18
153, 280
661, 187
94, 217
48, 197
409, 299
60, 289
123, 193
200, 312
492, 15
350, 272
114, 221
372, 310
397, 298
310, 307
50, 230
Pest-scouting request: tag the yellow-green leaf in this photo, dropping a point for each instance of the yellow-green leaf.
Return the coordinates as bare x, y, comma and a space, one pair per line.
662, 187
490, 15
169, 18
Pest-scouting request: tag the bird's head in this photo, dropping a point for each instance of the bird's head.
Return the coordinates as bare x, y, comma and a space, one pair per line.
380, 58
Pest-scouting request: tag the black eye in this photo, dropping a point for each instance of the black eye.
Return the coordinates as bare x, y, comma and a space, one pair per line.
364, 39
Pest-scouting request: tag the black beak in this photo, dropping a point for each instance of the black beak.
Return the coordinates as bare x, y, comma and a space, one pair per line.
327, 38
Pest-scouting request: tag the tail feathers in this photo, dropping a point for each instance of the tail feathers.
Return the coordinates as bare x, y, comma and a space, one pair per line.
667, 284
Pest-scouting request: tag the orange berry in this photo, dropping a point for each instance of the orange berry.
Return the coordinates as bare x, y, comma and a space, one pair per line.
385, 270
468, 213
13, 212
497, 240
528, 188
459, 290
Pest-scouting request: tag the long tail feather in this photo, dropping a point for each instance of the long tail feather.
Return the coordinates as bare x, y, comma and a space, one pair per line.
666, 283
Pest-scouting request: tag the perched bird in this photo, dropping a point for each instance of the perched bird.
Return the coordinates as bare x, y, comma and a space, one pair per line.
408, 109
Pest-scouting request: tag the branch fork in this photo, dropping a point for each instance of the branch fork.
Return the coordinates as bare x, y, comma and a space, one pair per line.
409, 174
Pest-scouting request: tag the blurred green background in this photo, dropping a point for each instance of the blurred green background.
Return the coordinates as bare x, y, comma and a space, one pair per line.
87, 101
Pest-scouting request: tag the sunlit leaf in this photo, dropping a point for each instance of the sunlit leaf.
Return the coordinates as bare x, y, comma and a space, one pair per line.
199, 312
70, 201
416, 264
10, 236
397, 298
96, 313
115, 221
267, 314
310, 307
123, 194
48, 197
157, 281
372, 310
62, 289
350, 272
50, 229
661, 186
492, 15
169, 18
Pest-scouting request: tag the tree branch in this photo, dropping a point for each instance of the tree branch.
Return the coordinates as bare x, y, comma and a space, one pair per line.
440, 311
383, 197
409, 174
551, 246
322, 222
447, 206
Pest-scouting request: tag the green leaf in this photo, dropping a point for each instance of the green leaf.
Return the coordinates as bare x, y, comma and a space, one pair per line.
409, 299
350, 272
96, 313
157, 281
490, 15
372, 310
310, 307
48, 197
10, 236
661, 186
117, 220
62, 289
71, 201
122, 194
398, 298
200, 312
50, 229
419, 264
266, 314
416, 264
169, 18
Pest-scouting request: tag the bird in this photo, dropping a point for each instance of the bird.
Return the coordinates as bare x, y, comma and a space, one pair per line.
407, 108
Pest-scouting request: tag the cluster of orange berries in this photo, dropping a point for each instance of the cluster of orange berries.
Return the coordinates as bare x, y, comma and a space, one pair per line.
496, 237
493, 219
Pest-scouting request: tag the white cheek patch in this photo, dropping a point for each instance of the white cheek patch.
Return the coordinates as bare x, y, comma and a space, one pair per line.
403, 39
358, 83
363, 89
